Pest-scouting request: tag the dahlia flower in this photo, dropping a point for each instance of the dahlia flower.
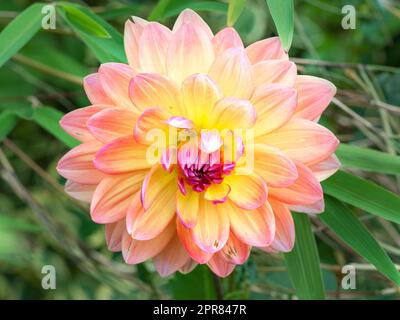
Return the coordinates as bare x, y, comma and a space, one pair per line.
238, 147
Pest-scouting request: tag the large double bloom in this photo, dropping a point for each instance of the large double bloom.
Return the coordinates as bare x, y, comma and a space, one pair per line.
241, 147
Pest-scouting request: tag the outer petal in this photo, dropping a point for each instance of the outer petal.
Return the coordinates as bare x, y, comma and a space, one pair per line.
188, 267
133, 31
314, 95
285, 232
233, 73
146, 225
274, 104
154, 184
113, 196
187, 207
235, 251
256, 227
188, 16
303, 141
95, 91
199, 94
77, 164
306, 189
312, 209
232, 113
78, 191
190, 51
247, 191
115, 78
275, 71
122, 155
172, 258
136, 251
273, 166
267, 49
225, 39
324, 169
154, 90
219, 266
186, 238
110, 124
114, 233
153, 47
74, 122
150, 119
212, 229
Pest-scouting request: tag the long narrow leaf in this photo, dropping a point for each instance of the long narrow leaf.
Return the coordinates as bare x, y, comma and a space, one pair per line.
341, 220
8, 120
19, 31
235, 8
282, 13
48, 119
363, 194
367, 159
303, 261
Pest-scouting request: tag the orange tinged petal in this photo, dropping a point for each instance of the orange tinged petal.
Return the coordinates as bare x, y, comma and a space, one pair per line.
190, 50
305, 190
212, 228
219, 266
314, 96
114, 233
172, 258
148, 90
74, 122
232, 113
255, 227
154, 184
285, 231
94, 90
147, 224
122, 155
137, 251
225, 39
233, 73
247, 191
199, 94
77, 164
273, 166
150, 119
187, 207
115, 78
275, 71
110, 124
303, 141
235, 251
186, 238
326, 168
153, 46
274, 104
79, 191
113, 196
267, 49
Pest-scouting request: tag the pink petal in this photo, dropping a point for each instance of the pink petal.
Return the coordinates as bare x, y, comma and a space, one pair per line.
267, 49
79, 191
219, 266
312, 209
225, 39
275, 71
150, 122
132, 33
210, 140
180, 122
189, 16
235, 251
94, 90
326, 168
114, 233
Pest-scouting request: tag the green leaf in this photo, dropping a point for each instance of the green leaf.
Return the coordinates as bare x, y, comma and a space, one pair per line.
8, 120
19, 31
198, 284
159, 10
109, 49
235, 8
198, 6
83, 22
282, 13
367, 159
303, 261
48, 119
341, 220
363, 194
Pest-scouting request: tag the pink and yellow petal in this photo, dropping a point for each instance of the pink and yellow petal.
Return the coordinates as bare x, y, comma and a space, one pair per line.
226, 39
95, 91
132, 34
267, 49
217, 193
275, 71
235, 251
187, 207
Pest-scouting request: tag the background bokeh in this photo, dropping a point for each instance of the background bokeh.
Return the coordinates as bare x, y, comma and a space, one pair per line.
40, 225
